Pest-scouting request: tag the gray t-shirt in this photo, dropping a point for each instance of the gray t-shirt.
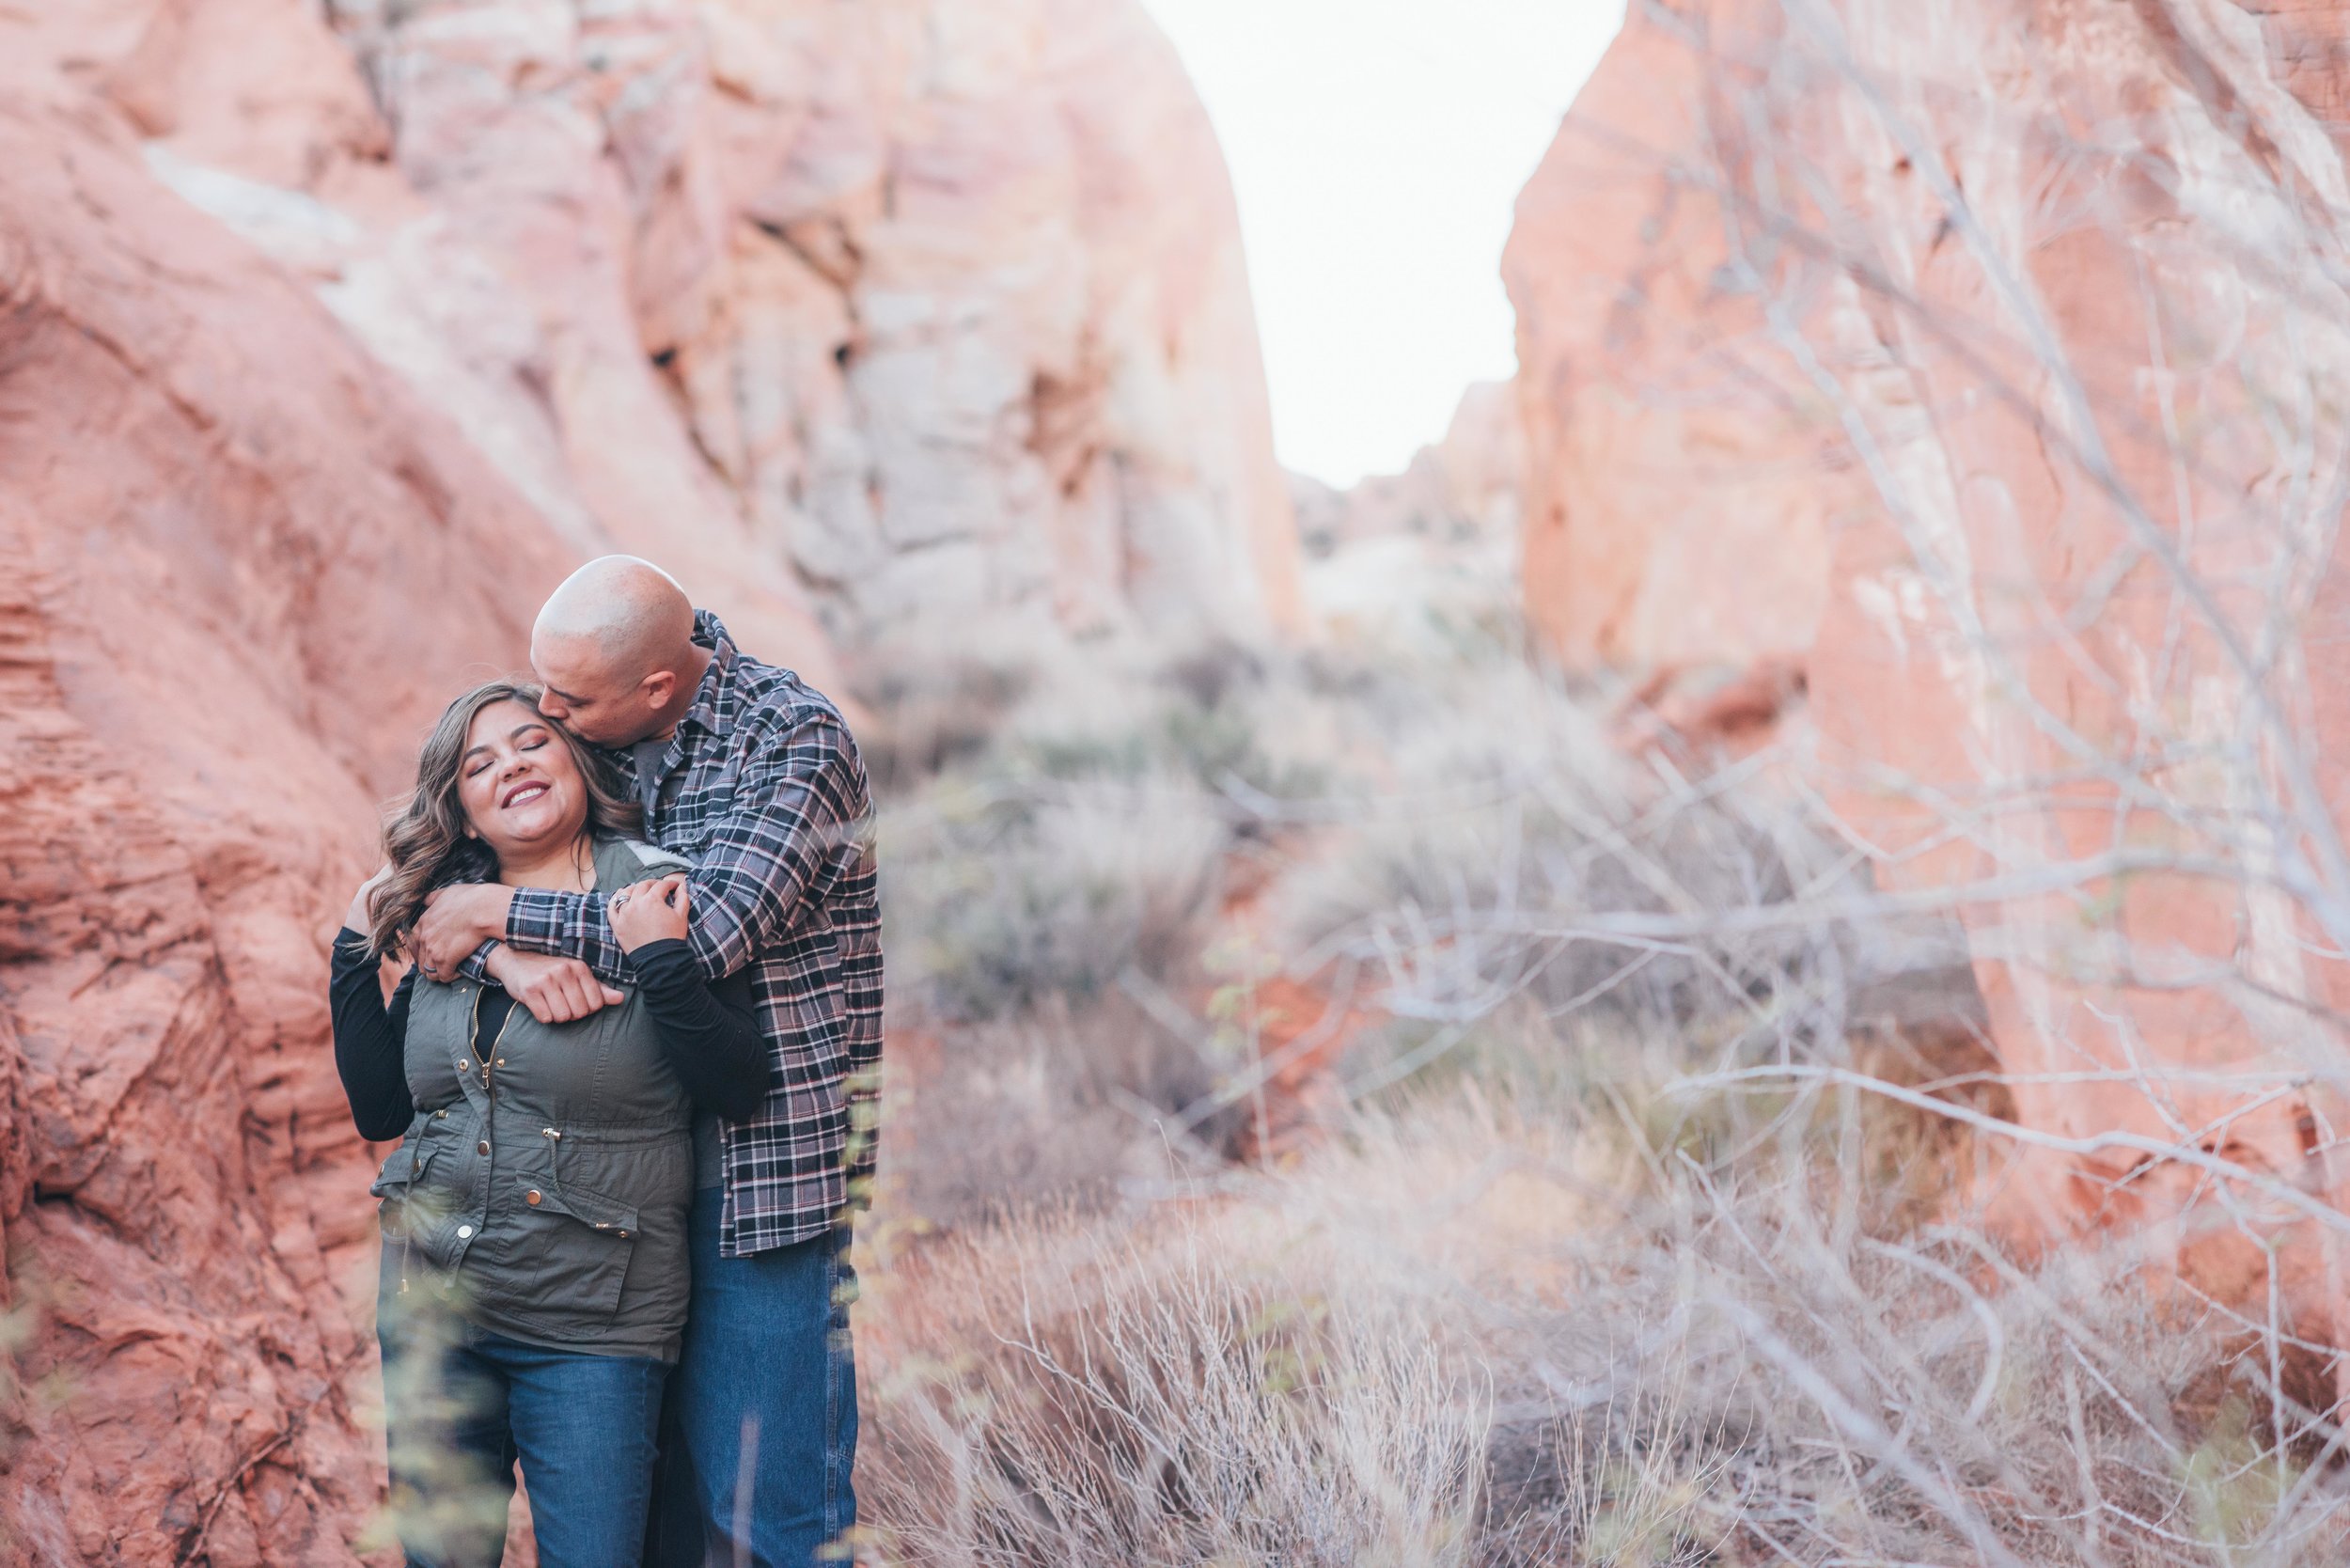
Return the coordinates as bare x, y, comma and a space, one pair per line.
648, 755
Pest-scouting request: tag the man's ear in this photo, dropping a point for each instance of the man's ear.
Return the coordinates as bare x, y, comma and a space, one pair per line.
658, 687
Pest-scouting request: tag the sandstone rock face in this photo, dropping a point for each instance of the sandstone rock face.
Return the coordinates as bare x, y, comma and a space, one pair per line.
330, 337
2121, 447
504, 302
1677, 503
941, 305
2062, 279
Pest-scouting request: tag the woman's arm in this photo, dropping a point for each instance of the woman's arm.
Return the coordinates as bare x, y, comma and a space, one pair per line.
370, 1040
709, 1028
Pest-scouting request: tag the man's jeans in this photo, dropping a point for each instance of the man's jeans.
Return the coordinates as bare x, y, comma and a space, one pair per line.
759, 1433
462, 1405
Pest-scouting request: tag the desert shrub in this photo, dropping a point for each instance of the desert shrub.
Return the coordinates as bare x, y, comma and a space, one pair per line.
1535, 873
1073, 1105
1013, 898
934, 703
1755, 1388
1002, 708
1794, 1345
1233, 724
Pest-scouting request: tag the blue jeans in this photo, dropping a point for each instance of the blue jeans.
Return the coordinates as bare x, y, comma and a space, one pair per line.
462, 1404
759, 1433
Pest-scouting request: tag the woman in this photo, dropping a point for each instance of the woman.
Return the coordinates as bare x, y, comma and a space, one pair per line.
534, 1272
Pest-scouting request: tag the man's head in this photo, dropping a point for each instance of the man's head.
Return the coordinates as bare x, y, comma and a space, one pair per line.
614, 649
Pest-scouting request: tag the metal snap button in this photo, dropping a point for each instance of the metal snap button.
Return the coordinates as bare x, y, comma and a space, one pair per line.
532, 1197
463, 1231
462, 1064
483, 1146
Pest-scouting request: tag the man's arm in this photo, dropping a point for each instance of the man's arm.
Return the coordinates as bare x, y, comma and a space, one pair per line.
799, 806
463, 932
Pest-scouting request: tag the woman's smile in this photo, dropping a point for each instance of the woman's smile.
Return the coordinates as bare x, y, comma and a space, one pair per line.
529, 807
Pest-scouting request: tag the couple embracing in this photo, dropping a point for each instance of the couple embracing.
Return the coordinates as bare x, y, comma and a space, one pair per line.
632, 1065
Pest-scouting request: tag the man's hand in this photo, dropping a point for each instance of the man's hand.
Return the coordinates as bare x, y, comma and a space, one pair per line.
649, 912
456, 921
555, 990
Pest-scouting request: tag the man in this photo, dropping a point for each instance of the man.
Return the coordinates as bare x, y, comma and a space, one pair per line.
753, 777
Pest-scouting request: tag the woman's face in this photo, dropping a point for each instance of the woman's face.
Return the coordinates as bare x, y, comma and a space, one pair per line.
519, 787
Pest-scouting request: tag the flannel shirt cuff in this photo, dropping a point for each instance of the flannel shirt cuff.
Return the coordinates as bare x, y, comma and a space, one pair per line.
534, 921
477, 962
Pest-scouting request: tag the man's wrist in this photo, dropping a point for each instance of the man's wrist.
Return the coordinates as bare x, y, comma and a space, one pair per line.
497, 909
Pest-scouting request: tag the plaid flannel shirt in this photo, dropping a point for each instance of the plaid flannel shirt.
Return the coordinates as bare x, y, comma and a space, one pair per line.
762, 788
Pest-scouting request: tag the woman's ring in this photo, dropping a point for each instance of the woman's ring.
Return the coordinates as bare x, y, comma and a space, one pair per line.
619, 898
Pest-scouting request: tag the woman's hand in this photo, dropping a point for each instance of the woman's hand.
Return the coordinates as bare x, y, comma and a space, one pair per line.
649, 912
358, 916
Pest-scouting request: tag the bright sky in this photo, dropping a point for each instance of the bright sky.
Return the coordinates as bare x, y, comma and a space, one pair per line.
1377, 147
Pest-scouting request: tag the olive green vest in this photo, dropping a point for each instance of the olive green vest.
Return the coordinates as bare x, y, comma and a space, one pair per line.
541, 1192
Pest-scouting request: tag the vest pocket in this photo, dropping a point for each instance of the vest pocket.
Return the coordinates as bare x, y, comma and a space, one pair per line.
404, 1166
572, 1246
402, 1188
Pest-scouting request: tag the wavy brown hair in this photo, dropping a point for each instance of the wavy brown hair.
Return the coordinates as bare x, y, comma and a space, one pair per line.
425, 842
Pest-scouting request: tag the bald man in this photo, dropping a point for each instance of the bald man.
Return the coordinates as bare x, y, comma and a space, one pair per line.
749, 774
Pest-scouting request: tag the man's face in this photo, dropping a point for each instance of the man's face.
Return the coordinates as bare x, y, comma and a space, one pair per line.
588, 697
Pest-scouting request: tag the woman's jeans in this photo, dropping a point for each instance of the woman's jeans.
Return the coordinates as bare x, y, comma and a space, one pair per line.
760, 1437
462, 1404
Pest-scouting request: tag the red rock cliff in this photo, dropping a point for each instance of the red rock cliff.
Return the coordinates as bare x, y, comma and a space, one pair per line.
2001, 348
240, 566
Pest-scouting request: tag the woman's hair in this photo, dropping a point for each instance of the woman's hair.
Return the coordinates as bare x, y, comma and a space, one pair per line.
425, 841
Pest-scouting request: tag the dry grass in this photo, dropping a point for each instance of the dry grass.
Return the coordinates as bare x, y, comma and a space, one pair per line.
1192, 1393
1551, 1289
1490, 1332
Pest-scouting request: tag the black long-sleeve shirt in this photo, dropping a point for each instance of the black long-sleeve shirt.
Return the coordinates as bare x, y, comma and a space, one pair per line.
709, 1033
